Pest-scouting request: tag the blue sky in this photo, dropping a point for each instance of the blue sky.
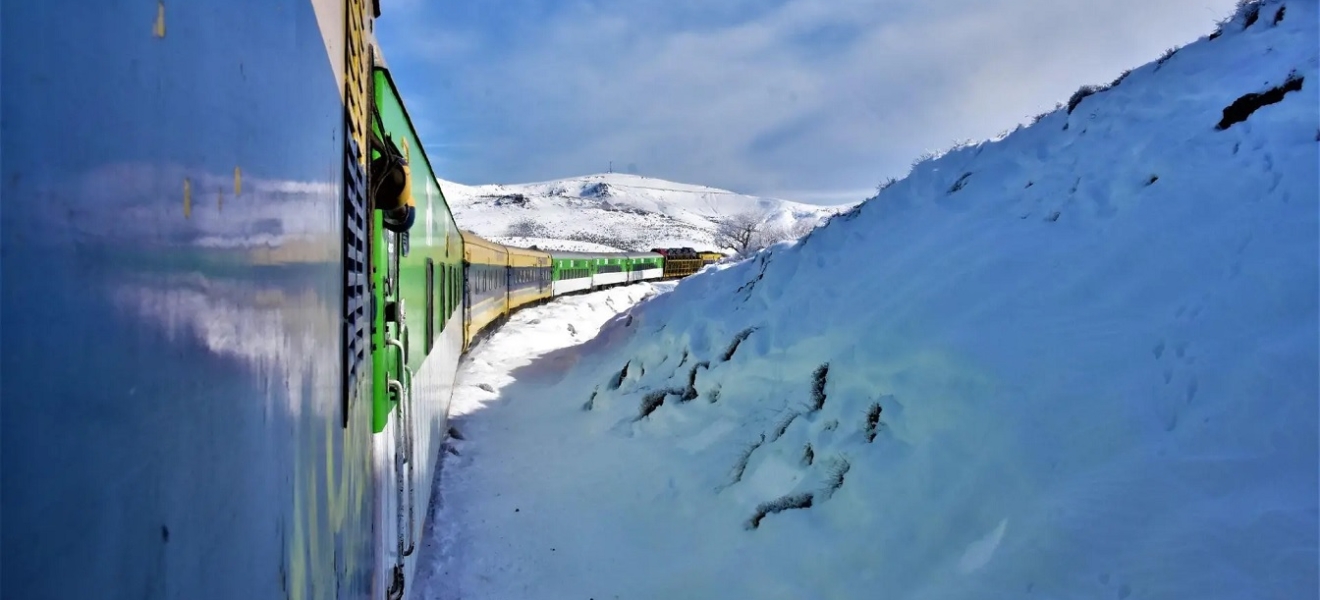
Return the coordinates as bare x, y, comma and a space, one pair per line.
810, 100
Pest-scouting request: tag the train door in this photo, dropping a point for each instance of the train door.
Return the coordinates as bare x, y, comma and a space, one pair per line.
392, 378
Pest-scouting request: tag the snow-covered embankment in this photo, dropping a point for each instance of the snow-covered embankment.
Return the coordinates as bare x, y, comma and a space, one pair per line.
1080, 361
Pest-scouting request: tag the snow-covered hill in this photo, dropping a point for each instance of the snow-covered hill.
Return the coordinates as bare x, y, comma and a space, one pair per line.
1077, 362
598, 212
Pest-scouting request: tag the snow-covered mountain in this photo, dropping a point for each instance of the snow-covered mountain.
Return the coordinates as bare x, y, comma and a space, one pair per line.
1077, 362
611, 211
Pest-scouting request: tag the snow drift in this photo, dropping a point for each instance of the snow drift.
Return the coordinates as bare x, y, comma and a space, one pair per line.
1080, 361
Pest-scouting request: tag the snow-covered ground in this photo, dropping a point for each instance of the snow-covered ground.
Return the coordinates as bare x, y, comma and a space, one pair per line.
628, 212
1077, 362
498, 380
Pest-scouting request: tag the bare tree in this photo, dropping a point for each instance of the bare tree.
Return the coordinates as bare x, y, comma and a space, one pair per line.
771, 234
751, 231
739, 231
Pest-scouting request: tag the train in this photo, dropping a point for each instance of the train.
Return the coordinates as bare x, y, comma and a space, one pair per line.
502, 278
234, 301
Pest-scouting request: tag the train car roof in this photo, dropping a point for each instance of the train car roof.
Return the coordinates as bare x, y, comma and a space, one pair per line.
527, 251
469, 236
472, 239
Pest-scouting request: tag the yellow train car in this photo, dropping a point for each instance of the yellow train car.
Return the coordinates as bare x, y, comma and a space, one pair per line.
485, 285
529, 276
681, 267
708, 258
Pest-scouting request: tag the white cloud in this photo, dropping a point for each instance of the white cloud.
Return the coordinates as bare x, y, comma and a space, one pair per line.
827, 95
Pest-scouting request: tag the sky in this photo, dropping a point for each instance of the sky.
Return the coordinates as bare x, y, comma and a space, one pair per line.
809, 100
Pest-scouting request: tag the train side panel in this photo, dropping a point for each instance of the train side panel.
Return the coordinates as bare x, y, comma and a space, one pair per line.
173, 296
432, 341
569, 273
486, 291
530, 275
609, 271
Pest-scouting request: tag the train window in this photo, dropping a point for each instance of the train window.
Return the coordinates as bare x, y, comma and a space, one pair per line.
430, 305
444, 296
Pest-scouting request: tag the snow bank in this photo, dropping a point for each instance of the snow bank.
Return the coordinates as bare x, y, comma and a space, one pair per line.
1078, 362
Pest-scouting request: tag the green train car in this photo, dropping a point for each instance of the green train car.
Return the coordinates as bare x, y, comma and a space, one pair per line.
580, 271
228, 363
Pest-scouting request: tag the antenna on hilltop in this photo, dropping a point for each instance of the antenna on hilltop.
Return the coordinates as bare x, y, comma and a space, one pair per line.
611, 166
